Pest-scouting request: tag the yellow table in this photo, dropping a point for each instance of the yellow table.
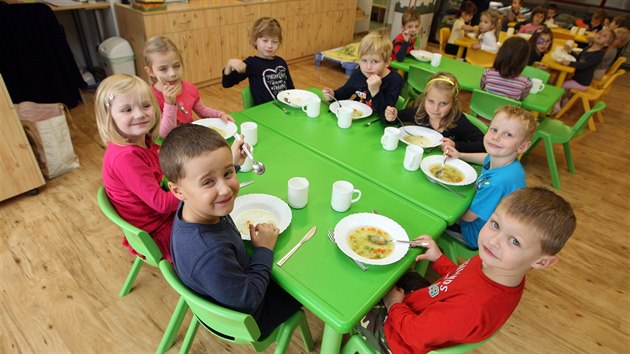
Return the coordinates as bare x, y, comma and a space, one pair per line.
578, 38
562, 70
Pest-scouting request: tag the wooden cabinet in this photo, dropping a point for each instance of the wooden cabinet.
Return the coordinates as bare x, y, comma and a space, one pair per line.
208, 33
19, 171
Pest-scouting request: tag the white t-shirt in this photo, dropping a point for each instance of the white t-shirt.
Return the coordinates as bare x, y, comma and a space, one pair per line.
457, 31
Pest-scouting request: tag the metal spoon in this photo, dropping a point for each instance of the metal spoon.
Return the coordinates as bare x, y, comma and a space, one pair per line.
380, 240
402, 126
339, 103
447, 188
439, 172
258, 167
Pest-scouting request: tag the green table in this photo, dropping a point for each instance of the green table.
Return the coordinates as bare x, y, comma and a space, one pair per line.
469, 77
358, 149
319, 275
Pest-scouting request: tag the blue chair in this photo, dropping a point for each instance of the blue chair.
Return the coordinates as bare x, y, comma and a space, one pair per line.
248, 99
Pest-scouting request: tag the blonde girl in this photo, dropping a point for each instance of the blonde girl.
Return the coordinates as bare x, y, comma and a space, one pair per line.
177, 98
489, 28
438, 108
268, 73
128, 120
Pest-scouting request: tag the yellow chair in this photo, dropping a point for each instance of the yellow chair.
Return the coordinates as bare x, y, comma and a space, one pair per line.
445, 33
592, 94
480, 57
612, 70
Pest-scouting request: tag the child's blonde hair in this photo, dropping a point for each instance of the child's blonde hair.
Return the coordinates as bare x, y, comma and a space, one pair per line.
410, 16
265, 27
376, 43
613, 36
444, 82
158, 45
495, 18
544, 213
530, 124
121, 85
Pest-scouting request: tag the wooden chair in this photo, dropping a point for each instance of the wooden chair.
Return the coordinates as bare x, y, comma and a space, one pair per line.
445, 33
233, 326
143, 244
484, 104
592, 94
480, 57
612, 70
552, 131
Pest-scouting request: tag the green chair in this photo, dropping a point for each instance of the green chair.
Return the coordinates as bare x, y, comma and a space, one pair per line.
455, 249
248, 99
555, 131
477, 122
235, 327
417, 79
401, 103
484, 104
143, 244
535, 73
356, 344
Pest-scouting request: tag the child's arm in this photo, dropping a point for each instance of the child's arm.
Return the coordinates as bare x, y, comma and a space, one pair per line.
465, 137
168, 121
386, 93
234, 72
264, 235
474, 157
238, 155
207, 112
401, 46
348, 89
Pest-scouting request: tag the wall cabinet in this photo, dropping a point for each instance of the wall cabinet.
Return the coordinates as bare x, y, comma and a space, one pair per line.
208, 33
19, 171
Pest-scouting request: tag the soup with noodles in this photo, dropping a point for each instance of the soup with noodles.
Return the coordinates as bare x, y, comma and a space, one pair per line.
450, 173
356, 113
359, 243
417, 140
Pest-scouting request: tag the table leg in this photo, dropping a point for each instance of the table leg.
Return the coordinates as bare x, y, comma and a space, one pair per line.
562, 75
331, 341
460, 52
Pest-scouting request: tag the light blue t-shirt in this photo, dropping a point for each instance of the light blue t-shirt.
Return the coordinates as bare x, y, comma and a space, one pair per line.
491, 187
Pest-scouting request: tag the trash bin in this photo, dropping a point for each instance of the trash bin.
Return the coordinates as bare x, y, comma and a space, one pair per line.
117, 55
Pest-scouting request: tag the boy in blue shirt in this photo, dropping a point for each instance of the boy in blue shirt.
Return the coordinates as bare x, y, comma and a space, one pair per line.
509, 135
208, 252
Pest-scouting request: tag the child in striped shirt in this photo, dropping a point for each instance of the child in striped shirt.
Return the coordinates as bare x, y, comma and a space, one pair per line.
504, 78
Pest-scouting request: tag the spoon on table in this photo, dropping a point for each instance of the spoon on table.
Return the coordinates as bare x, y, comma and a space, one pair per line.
258, 167
447, 188
380, 240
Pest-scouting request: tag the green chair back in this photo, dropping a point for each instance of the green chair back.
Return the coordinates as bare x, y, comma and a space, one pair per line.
454, 249
248, 99
484, 104
401, 103
477, 122
232, 326
535, 73
417, 79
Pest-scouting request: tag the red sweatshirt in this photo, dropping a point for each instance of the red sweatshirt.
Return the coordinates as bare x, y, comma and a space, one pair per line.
464, 306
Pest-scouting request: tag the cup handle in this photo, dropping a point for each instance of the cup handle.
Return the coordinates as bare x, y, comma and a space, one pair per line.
542, 87
304, 108
383, 140
358, 197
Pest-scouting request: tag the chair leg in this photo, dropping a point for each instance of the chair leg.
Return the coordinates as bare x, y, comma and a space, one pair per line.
190, 335
305, 331
173, 326
587, 107
131, 278
566, 107
551, 162
569, 156
600, 116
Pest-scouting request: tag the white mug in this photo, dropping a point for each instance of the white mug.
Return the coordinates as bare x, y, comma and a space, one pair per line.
298, 192
436, 60
344, 117
413, 157
574, 29
342, 192
247, 164
537, 86
510, 31
312, 108
390, 138
250, 132
581, 31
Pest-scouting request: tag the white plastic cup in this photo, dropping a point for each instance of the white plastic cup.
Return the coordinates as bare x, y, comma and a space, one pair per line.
247, 165
436, 59
390, 138
344, 117
574, 29
413, 157
250, 132
537, 86
510, 31
342, 192
312, 108
581, 31
298, 192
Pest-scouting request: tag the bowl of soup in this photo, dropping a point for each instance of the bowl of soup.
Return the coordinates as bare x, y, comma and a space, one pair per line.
456, 172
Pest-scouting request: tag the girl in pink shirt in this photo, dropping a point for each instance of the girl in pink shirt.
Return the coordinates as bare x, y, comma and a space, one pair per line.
128, 121
177, 98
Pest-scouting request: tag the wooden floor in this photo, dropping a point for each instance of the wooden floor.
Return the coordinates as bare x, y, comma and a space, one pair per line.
62, 263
